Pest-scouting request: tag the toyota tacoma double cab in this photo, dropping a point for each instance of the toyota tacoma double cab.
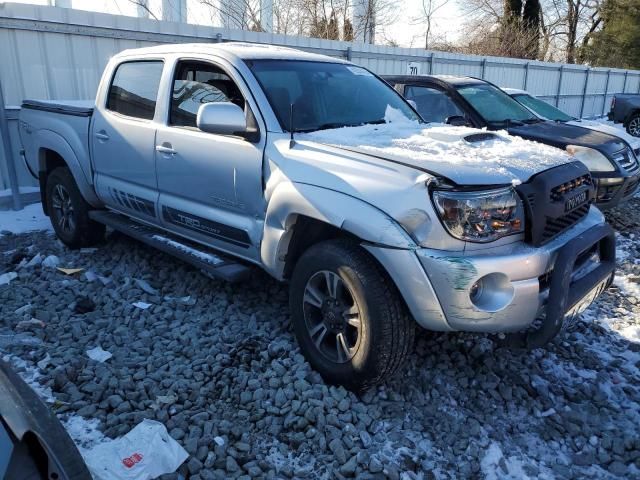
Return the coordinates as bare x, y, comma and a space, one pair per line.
233, 156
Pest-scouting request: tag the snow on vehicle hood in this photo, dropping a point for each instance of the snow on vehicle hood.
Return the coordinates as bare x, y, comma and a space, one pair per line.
466, 156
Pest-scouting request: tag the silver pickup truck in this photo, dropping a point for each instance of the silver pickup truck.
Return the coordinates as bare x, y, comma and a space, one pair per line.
232, 156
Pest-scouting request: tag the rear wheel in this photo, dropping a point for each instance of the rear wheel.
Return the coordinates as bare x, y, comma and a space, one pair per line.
350, 322
69, 212
633, 127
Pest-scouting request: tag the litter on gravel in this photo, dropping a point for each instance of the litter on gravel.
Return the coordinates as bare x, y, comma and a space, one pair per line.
146, 452
98, 354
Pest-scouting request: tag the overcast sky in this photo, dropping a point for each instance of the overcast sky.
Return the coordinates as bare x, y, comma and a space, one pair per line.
406, 30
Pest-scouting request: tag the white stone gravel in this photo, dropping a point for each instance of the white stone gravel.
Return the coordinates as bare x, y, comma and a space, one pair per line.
218, 365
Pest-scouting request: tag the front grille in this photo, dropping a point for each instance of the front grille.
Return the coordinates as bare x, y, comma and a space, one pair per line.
557, 193
555, 200
555, 226
627, 160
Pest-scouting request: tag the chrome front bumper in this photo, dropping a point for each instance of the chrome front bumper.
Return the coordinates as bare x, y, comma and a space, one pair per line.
516, 276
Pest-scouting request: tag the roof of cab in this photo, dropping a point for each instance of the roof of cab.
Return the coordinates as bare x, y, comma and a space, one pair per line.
515, 91
240, 50
416, 79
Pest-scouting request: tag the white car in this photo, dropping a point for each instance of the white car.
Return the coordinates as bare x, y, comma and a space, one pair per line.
547, 111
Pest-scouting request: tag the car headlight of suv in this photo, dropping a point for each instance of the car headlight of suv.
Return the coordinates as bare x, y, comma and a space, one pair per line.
482, 216
593, 159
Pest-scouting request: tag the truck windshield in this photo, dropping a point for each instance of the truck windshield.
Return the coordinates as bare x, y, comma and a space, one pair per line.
542, 108
325, 95
496, 107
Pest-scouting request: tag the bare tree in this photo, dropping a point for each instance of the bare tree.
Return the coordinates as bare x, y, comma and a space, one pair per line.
142, 5
574, 21
429, 9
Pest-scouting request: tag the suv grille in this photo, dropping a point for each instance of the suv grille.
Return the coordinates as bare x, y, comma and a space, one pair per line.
627, 160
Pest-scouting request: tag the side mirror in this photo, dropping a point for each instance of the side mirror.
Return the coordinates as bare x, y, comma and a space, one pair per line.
456, 121
224, 118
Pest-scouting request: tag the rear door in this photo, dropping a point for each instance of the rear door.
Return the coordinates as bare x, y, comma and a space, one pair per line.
123, 139
210, 185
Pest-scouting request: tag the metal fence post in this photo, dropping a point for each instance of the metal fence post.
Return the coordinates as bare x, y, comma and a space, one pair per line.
484, 68
606, 92
349, 53
559, 90
8, 155
432, 61
218, 38
526, 76
584, 91
624, 85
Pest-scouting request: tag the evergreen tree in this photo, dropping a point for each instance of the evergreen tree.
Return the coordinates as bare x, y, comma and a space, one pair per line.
617, 44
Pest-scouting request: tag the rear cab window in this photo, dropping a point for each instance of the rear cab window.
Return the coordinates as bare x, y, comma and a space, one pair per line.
134, 89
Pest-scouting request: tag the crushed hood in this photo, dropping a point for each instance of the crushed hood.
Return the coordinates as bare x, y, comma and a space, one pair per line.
465, 156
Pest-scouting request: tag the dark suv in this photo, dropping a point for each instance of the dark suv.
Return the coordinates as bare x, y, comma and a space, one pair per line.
478, 103
625, 109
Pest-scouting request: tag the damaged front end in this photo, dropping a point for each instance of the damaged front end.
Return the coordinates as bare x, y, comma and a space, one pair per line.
530, 288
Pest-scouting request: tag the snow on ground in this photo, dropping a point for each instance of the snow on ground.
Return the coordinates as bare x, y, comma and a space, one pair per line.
84, 432
29, 219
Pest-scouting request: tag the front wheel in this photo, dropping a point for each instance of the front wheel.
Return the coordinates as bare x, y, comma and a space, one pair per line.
69, 212
633, 127
348, 317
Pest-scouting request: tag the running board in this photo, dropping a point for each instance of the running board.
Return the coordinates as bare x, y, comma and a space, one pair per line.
208, 260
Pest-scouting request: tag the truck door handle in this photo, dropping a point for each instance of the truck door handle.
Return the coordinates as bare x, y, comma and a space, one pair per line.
165, 150
102, 136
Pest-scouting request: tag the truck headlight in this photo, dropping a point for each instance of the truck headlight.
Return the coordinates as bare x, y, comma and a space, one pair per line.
481, 216
593, 159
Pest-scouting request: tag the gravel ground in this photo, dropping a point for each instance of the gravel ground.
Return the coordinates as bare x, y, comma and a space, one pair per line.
219, 366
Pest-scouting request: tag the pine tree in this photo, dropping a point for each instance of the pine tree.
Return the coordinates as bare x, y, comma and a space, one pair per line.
617, 44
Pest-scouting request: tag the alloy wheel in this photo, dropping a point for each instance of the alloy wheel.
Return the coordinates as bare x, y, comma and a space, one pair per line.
634, 127
63, 209
332, 316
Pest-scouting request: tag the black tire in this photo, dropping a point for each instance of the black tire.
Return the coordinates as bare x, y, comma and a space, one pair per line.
633, 125
69, 212
386, 333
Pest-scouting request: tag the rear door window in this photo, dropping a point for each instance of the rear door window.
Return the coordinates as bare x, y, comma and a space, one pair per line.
134, 89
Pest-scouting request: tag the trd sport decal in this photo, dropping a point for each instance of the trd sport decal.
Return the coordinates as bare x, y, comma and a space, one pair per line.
207, 227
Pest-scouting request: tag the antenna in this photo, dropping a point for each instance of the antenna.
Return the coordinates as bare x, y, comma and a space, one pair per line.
292, 142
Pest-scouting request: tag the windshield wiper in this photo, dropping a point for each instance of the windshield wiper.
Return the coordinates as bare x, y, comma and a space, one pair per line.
530, 121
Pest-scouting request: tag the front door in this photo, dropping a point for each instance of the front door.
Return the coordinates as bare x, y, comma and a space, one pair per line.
123, 140
210, 185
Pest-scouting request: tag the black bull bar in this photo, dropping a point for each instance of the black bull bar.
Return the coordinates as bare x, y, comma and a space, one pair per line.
564, 293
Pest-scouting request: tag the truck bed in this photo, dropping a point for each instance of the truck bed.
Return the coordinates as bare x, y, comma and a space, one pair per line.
79, 108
